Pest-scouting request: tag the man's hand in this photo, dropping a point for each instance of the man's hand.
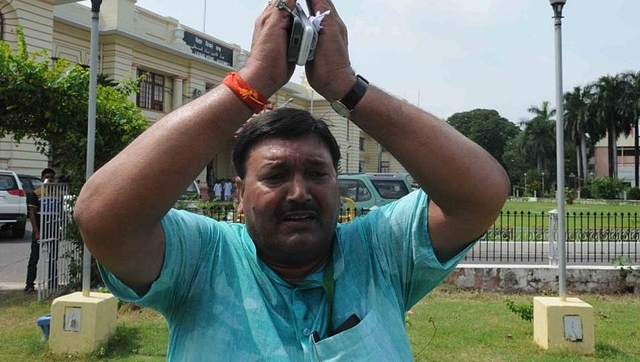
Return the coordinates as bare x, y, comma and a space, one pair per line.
267, 68
330, 72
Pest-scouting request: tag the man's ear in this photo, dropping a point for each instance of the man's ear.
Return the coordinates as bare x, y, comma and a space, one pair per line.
240, 190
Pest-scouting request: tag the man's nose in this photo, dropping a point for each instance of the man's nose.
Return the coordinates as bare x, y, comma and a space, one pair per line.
298, 189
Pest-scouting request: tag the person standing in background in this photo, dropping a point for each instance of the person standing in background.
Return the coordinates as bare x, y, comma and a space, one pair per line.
217, 190
228, 186
34, 208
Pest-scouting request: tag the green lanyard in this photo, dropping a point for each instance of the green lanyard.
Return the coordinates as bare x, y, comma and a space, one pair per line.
328, 284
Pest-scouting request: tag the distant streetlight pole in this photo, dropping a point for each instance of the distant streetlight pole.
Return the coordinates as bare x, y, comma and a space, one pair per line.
542, 192
525, 184
557, 6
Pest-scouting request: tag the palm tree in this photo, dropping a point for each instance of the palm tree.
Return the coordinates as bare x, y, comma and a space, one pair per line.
539, 136
575, 125
629, 108
605, 95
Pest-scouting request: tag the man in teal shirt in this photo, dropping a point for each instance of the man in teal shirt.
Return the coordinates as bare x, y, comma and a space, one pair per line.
291, 285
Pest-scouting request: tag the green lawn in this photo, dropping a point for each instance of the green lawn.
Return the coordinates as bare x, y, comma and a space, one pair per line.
453, 325
449, 324
141, 335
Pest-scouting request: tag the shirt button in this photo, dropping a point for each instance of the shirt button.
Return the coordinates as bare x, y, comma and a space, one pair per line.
306, 332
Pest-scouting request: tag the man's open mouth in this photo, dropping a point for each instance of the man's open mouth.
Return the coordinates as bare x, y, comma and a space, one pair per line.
299, 216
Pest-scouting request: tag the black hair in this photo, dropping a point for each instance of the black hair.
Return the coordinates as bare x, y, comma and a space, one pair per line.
46, 171
282, 123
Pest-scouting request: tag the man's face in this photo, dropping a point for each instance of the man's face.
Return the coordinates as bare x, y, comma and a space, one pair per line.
290, 199
48, 177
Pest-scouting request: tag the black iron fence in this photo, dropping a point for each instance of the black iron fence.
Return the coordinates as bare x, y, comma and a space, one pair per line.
524, 237
530, 238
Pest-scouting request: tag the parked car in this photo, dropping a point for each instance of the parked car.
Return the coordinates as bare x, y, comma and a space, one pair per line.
13, 204
371, 190
30, 183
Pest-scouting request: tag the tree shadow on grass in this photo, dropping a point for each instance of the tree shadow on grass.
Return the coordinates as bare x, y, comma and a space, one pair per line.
125, 341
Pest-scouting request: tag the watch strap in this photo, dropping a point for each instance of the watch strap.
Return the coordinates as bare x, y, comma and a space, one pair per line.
355, 94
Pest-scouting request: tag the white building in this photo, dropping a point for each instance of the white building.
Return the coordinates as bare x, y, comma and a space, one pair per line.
181, 64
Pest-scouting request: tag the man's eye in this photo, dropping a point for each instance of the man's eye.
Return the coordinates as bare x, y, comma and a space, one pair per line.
274, 177
317, 174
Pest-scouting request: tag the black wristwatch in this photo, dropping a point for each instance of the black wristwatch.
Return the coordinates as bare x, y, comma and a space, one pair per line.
345, 106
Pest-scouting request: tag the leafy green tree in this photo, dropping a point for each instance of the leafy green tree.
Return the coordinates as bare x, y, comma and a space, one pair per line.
486, 128
517, 162
48, 104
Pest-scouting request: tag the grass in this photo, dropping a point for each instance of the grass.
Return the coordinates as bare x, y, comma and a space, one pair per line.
449, 324
141, 334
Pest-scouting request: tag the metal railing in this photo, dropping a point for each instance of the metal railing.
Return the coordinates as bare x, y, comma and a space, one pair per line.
57, 252
515, 238
524, 237
529, 238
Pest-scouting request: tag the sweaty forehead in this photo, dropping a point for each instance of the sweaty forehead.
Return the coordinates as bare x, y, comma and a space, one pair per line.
308, 149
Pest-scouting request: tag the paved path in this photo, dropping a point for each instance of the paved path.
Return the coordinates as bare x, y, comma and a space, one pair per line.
14, 256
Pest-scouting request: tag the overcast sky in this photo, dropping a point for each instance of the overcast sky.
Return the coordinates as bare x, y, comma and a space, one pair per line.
457, 55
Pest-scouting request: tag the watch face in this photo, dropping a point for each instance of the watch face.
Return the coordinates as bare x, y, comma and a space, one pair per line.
341, 109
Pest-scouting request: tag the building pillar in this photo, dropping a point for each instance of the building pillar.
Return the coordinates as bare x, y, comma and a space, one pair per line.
178, 85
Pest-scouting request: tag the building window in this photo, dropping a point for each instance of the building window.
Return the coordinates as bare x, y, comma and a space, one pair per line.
384, 166
362, 143
362, 165
626, 151
151, 94
1, 26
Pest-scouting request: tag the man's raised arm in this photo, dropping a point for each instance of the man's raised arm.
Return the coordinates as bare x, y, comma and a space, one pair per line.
467, 187
120, 207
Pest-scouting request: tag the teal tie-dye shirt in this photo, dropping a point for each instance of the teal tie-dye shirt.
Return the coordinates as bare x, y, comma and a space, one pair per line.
222, 303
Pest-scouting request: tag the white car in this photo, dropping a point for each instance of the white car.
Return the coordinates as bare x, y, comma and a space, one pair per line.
13, 204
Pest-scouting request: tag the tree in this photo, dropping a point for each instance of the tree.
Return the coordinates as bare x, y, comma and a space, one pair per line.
604, 107
576, 127
539, 136
48, 104
629, 108
486, 128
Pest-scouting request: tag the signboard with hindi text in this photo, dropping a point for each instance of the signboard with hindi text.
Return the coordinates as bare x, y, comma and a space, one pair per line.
209, 49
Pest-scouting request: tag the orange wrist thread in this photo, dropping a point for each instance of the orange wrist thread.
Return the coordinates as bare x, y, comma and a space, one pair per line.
249, 96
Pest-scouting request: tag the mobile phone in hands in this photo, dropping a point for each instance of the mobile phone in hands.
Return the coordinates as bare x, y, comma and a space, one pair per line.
303, 37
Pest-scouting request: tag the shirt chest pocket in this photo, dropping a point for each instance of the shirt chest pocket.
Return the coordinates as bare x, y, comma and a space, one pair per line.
369, 340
